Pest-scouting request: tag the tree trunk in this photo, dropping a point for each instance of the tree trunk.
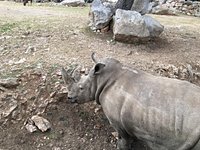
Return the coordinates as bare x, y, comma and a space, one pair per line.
124, 4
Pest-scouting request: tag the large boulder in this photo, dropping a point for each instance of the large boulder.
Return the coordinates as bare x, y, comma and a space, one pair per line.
101, 14
140, 6
154, 27
130, 26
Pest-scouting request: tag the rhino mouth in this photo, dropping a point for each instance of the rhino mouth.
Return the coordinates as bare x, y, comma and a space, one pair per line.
72, 99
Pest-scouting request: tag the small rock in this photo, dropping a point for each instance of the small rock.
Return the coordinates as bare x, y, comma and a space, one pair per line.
9, 108
189, 68
56, 148
20, 61
96, 110
115, 135
5, 37
61, 132
53, 94
42, 123
130, 53
30, 127
3, 89
61, 95
97, 127
58, 73
9, 82
30, 49
73, 3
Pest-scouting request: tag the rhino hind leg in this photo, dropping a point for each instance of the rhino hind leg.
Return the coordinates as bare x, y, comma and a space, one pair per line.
193, 141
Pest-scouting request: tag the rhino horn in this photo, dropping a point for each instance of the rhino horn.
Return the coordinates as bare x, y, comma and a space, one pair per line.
68, 79
93, 57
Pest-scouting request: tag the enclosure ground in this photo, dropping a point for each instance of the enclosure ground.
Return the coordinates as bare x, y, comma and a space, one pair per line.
36, 41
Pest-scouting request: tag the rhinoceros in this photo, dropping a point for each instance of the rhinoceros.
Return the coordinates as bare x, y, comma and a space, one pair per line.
162, 112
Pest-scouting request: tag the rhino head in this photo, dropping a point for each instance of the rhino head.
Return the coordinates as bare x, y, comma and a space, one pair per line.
82, 89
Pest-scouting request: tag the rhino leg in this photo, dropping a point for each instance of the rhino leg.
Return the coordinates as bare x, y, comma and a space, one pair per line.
124, 144
192, 141
124, 140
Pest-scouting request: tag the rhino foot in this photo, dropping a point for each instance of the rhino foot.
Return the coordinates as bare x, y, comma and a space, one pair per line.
123, 144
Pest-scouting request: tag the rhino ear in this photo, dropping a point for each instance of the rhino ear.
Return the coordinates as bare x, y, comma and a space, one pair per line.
77, 74
98, 68
66, 77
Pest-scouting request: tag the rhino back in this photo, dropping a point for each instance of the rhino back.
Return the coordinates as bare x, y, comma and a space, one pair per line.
155, 109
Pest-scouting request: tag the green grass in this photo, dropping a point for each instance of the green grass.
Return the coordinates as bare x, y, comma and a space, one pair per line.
10, 26
7, 27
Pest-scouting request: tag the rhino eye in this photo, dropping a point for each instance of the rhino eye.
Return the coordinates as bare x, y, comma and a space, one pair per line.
80, 87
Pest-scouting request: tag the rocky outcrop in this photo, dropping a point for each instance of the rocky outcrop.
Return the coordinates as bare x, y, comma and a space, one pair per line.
129, 23
171, 7
130, 26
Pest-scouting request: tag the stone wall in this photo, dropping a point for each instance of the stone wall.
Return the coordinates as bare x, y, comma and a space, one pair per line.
187, 7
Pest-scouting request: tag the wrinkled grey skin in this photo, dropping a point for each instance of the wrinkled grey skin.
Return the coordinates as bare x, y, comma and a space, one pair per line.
163, 112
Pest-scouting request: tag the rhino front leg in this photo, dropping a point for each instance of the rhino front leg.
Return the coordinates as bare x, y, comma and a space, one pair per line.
124, 144
125, 141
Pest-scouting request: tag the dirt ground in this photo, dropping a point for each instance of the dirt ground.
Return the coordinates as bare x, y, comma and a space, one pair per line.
36, 41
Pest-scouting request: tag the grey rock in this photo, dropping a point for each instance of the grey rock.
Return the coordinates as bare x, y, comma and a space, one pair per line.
129, 25
197, 14
9, 82
132, 26
29, 125
152, 5
154, 27
1, 48
42, 123
7, 105
100, 14
162, 1
10, 108
73, 3
163, 10
30, 49
140, 6
31, 128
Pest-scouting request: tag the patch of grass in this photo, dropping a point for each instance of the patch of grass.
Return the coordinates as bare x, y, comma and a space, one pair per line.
11, 74
10, 26
7, 27
180, 20
72, 10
